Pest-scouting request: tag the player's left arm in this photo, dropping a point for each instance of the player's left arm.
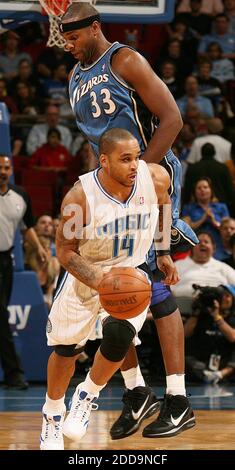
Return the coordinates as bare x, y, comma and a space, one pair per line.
161, 181
137, 72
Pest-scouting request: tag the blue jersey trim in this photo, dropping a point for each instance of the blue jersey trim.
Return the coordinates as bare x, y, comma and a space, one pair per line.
122, 204
60, 287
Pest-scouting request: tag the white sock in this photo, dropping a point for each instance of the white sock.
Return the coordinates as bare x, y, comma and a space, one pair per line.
53, 407
175, 384
90, 387
133, 378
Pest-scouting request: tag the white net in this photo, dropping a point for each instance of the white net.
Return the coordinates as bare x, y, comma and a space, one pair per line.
55, 9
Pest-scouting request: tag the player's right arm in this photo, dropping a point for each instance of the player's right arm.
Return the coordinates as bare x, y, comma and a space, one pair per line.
74, 216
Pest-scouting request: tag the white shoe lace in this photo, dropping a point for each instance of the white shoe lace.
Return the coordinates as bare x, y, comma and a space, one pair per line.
53, 428
82, 408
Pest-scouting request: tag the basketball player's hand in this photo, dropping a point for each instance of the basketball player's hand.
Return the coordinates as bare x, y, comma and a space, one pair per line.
166, 265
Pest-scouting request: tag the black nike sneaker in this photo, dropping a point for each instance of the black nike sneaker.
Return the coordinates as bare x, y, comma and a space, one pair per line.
139, 404
176, 415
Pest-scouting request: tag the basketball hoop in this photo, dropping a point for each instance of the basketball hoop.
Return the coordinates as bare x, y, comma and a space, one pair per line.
55, 9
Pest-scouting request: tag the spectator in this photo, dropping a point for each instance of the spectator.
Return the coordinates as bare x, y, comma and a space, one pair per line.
25, 75
185, 140
222, 146
221, 35
55, 223
217, 172
204, 213
198, 22
44, 228
180, 31
210, 336
192, 96
209, 86
168, 76
47, 273
222, 68
227, 230
195, 118
26, 103
174, 53
202, 266
83, 162
38, 134
51, 155
50, 59
56, 90
11, 57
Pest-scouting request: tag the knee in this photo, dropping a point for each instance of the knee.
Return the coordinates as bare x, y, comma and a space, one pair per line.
163, 302
117, 337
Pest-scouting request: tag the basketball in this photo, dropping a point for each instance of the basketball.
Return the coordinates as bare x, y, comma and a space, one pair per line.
125, 292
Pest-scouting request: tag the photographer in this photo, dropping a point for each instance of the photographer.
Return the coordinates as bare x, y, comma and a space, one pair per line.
210, 335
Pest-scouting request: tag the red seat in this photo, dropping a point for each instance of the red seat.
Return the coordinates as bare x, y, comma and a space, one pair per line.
39, 177
41, 198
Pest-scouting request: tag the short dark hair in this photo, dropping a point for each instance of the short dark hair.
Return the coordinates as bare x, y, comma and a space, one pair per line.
79, 10
54, 130
111, 137
204, 232
208, 150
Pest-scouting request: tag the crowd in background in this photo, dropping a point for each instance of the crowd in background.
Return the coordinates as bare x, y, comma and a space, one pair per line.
195, 57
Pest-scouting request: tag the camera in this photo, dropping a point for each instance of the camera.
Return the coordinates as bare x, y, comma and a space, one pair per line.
205, 298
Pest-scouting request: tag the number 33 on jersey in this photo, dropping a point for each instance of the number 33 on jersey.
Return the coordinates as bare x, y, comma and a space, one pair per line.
99, 98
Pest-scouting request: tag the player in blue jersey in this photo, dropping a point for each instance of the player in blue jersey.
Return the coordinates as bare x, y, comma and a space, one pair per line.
114, 86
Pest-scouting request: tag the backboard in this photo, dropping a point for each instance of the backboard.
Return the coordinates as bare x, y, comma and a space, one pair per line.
14, 13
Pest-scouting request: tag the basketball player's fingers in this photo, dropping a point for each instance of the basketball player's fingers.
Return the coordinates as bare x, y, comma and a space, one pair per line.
175, 277
168, 278
172, 276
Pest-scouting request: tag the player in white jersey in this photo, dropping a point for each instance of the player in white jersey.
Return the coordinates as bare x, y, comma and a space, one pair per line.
109, 219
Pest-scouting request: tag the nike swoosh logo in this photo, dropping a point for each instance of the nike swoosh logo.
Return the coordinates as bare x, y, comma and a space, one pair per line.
137, 415
177, 420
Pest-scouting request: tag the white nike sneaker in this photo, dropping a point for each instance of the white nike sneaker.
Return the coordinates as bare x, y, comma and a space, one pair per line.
52, 436
75, 424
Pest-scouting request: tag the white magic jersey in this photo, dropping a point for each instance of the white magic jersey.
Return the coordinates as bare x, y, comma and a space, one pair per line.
119, 234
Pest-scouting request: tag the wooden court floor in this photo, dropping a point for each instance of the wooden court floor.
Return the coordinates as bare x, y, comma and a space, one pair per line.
215, 430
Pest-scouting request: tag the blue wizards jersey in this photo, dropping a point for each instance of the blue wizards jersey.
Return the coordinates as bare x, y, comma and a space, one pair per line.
101, 100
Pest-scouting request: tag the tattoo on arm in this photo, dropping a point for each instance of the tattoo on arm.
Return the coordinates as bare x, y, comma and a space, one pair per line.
79, 268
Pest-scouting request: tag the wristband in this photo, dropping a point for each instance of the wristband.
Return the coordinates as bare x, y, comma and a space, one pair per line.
163, 252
